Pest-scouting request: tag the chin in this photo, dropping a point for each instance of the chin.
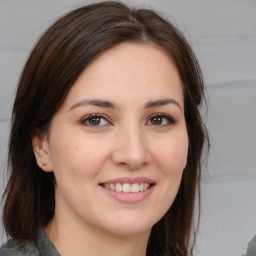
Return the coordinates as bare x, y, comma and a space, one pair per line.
131, 226
125, 230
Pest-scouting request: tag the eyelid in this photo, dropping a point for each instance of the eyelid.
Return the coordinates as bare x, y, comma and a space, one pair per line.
87, 117
170, 119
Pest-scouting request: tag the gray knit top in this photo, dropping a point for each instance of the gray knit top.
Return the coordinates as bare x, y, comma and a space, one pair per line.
41, 247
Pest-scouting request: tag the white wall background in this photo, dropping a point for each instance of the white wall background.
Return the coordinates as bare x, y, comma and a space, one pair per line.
223, 34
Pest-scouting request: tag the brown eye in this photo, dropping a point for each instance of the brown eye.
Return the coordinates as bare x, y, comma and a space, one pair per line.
161, 120
156, 120
95, 120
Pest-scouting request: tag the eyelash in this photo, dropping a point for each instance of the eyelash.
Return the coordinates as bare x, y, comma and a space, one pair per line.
90, 117
170, 120
86, 119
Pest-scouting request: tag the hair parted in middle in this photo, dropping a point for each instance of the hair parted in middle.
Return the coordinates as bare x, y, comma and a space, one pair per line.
55, 63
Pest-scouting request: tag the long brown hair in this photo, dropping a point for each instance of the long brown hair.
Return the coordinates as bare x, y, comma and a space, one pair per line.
53, 66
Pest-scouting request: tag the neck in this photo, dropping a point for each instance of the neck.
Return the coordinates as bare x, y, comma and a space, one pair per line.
76, 240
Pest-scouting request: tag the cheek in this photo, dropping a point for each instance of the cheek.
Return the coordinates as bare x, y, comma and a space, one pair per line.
171, 158
172, 155
76, 156
74, 167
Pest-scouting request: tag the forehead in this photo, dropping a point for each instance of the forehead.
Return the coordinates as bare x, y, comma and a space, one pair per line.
128, 55
129, 70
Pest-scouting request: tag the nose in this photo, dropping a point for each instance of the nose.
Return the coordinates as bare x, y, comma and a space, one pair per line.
130, 149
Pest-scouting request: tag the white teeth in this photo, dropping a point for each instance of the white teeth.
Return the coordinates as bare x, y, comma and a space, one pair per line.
127, 188
112, 186
135, 188
119, 187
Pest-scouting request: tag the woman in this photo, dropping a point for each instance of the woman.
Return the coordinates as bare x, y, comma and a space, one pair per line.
106, 140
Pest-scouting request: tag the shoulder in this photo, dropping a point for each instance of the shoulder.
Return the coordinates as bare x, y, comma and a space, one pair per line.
251, 249
24, 248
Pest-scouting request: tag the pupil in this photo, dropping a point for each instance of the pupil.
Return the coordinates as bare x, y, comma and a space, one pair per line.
157, 120
95, 121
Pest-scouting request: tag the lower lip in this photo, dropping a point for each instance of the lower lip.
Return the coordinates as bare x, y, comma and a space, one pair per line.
129, 197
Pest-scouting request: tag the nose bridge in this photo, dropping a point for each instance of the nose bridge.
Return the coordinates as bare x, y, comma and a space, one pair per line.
131, 149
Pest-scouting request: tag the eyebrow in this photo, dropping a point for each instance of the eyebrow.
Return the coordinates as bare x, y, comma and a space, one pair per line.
162, 102
98, 103
108, 104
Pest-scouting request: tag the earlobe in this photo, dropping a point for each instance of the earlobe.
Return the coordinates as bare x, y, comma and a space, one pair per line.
41, 152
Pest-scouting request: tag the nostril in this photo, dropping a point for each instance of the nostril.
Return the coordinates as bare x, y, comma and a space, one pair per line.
132, 165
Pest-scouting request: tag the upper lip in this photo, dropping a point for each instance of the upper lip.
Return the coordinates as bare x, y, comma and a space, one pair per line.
129, 180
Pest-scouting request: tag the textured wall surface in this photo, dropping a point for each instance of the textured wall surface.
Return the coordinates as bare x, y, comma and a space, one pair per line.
223, 35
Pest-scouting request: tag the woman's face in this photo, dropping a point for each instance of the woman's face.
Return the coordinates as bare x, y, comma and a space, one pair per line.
118, 145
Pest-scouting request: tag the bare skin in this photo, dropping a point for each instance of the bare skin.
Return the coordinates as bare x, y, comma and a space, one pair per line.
122, 126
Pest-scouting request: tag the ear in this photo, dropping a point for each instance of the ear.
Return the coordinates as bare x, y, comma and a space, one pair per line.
41, 151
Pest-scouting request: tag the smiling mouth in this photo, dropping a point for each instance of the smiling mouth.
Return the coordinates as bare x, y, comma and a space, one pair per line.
127, 187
